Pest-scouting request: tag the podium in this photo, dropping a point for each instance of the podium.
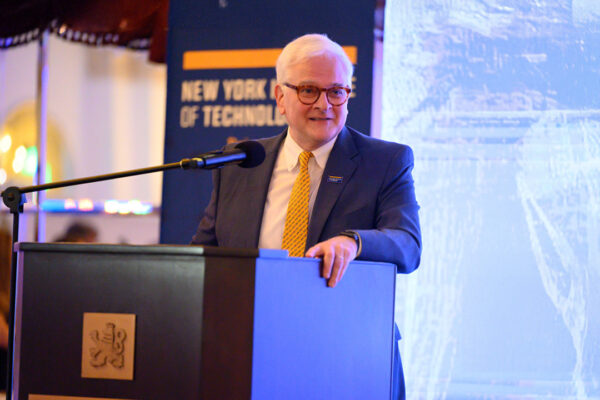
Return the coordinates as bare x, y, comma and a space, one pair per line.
192, 322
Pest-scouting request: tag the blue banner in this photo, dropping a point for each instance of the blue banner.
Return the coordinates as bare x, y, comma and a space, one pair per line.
221, 75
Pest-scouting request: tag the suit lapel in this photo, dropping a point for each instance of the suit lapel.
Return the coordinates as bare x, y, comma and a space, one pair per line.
255, 208
341, 164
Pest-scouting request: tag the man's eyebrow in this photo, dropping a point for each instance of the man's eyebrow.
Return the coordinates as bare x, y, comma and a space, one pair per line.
312, 83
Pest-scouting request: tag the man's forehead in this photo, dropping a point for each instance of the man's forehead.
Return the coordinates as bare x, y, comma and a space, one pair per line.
318, 71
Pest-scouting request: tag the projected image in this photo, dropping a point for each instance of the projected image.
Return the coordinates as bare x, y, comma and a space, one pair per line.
500, 101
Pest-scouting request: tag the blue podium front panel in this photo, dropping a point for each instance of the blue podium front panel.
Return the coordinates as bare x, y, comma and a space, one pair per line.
316, 342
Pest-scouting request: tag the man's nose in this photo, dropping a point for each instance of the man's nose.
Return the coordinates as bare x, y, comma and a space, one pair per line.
323, 102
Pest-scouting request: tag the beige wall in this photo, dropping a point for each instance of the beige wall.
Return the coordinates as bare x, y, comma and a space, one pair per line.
108, 105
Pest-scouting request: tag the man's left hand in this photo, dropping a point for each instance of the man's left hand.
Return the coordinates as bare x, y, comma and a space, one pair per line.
336, 253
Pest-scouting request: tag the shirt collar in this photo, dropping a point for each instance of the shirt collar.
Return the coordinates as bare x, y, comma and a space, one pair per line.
291, 151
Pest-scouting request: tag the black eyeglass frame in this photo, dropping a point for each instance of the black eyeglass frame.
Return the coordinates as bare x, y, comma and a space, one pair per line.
320, 90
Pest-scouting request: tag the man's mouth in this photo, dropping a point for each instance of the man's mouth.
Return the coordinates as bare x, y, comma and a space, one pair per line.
320, 119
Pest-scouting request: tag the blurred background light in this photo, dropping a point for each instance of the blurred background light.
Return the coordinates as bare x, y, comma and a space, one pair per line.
120, 207
19, 159
85, 205
5, 142
31, 161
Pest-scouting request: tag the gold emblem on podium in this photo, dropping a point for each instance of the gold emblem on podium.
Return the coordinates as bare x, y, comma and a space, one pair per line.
108, 346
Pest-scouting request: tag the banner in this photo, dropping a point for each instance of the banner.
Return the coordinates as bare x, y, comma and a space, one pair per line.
221, 75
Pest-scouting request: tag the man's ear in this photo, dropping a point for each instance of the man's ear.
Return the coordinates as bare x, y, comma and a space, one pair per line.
279, 99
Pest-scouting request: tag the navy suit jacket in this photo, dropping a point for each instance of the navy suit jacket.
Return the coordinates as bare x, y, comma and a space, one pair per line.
366, 187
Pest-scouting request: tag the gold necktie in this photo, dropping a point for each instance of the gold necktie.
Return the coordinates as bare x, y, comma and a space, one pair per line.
296, 219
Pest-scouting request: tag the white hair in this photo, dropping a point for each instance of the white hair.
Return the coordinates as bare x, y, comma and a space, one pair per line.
309, 46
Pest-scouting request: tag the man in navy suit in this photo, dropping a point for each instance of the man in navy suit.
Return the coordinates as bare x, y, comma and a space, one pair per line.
361, 201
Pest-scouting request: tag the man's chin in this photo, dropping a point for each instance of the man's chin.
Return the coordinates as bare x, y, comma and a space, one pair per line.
315, 135
323, 136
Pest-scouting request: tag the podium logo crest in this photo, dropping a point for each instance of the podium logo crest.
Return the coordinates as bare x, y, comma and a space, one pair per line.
108, 346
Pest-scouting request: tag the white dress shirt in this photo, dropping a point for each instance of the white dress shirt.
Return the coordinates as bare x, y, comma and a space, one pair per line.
284, 175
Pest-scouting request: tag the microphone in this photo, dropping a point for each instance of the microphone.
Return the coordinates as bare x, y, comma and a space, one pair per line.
248, 154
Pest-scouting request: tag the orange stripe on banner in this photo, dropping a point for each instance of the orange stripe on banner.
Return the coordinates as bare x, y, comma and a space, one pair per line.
233, 59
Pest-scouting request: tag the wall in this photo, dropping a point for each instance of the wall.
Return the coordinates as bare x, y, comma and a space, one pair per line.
108, 105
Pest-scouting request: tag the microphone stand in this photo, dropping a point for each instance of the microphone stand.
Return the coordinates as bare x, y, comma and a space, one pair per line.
14, 198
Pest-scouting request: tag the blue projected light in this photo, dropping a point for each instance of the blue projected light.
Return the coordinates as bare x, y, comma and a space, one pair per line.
121, 207
500, 102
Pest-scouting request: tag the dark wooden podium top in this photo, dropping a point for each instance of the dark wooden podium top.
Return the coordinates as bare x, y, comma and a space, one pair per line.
171, 249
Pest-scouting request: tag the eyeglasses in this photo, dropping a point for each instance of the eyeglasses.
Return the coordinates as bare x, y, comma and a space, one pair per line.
309, 94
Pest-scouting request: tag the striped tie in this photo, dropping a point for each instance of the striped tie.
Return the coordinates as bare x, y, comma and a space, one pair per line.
296, 219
